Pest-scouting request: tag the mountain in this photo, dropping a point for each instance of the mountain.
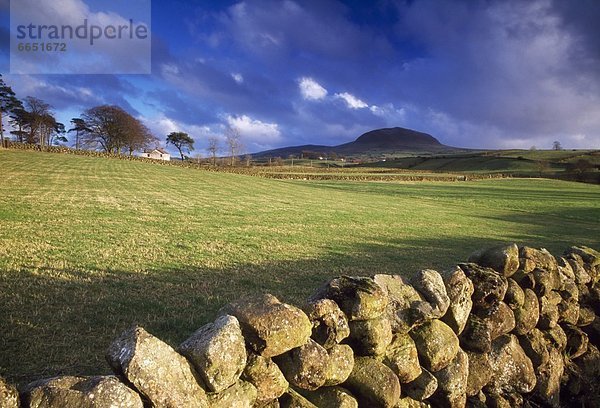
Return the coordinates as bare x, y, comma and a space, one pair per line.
376, 142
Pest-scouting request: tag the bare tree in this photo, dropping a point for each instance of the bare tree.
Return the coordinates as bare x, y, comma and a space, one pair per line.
248, 159
556, 145
213, 148
114, 130
234, 144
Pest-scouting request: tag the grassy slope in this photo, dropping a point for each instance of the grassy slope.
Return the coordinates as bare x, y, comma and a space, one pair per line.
88, 246
501, 161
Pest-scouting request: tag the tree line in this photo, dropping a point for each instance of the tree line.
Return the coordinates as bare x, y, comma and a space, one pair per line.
107, 128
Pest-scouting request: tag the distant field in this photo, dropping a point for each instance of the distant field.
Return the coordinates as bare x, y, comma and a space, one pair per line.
89, 246
495, 161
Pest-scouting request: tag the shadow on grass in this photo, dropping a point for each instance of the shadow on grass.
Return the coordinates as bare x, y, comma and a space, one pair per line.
60, 321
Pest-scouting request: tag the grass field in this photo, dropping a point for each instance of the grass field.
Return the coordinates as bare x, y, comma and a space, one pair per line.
520, 162
89, 246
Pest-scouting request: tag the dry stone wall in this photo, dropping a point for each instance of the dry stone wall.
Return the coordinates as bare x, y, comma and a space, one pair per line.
514, 326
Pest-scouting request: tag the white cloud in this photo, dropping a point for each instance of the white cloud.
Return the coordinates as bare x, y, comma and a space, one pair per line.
255, 130
311, 89
352, 101
170, 70
237, 77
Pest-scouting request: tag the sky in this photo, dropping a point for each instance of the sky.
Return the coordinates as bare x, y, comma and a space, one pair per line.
472, 73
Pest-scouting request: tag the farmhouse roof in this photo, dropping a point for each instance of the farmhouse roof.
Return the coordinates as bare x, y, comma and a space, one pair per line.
160, 150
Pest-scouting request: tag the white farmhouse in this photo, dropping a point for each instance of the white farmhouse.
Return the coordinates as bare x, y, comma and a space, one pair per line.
156, 154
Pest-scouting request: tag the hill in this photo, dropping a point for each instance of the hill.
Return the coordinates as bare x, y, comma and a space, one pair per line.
387, 141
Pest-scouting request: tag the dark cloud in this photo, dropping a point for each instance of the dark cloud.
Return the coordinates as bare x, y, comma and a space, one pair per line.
476, 73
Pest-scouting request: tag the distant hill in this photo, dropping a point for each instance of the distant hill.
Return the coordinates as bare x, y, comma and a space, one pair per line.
387, 141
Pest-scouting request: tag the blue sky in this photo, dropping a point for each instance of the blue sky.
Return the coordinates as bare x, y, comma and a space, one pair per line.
477, 73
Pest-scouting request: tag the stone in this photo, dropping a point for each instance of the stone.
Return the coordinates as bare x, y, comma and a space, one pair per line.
588, 255
490, 287
408, 402
218, 352
556, 337
535, 346
9, 396
266, 376
374, 384
305, 366
565, 269
514, 297
545, 281
582, 277
430, 285
531, 258
452, 382
402, 357
479, 373
360, 298
269, 326
478, 400
436, 343
494, 399
270, 404
477, 335
330, 325
527, 316
370, 337
577, 341
406, 307
549, 310
588, 366
340, 364
331, 397
240, 395
501, 321
291, 399
512, 370
503, 259
548, 379
459, 289
586, 316
157, 371
422, 387
568, 312
80, 392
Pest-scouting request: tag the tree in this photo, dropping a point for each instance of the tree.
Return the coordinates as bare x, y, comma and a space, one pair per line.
581, 166
556, 145
542, 166
248, 159
234, 144
113, 130
79, 127
19, 120
182, 141
8, 103
37, 122
213, 148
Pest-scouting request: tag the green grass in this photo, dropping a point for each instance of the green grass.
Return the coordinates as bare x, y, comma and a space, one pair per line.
89, 246
522, 162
